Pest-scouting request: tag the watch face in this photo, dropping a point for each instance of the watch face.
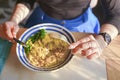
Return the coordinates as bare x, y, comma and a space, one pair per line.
107, 38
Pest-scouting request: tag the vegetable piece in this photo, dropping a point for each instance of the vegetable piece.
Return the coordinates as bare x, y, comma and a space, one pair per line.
40, 35
27, 49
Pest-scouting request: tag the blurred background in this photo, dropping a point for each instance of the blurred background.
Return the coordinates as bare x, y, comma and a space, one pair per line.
6, 9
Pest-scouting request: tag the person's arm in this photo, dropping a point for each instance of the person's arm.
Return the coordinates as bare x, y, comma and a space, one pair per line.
92, 46
9, 29
20, 12
111, 24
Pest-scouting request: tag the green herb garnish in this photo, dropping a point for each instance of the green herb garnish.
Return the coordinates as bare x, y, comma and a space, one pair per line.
27, 49
40, 35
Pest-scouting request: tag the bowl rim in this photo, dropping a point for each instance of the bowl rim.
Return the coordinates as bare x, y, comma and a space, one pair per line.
33, 68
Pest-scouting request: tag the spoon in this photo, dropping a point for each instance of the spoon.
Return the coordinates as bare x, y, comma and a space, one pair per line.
20, 42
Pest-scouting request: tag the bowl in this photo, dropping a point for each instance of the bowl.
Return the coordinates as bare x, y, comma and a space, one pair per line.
50, 28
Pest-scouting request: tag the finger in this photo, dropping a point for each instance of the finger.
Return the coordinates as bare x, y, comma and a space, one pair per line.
83, 40
93, 56
7, 27
89, 44
76, 49
15, 30
89, 51
73, 45
84, 46
8, 33
78, 53
87, 38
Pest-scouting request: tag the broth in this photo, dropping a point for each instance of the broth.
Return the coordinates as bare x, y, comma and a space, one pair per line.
47, 52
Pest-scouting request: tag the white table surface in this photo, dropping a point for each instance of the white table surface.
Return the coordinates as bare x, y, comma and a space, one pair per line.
78, 68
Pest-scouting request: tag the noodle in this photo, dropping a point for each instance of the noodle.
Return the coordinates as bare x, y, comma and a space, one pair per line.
47, 52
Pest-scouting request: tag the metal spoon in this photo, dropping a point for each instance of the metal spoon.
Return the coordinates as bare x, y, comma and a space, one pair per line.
20, 42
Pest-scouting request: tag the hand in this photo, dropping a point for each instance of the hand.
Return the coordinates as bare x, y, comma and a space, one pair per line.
89, 46
8, 30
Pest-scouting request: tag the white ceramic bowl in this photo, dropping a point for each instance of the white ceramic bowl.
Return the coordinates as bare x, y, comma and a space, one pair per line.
49, 27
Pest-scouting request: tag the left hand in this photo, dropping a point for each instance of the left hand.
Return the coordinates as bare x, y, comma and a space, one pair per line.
89, 46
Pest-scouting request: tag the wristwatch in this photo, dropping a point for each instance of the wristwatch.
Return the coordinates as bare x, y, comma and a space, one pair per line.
106, 37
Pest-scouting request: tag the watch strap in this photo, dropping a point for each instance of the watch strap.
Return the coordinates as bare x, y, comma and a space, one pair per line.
106, 36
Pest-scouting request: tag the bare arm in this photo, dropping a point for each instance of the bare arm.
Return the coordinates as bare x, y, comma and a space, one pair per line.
9, 29
110, 29
92, 46
20, 12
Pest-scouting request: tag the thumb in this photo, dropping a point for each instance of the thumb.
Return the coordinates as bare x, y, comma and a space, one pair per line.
15, 30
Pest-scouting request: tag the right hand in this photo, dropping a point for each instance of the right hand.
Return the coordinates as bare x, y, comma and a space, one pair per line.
8, 30
90, 46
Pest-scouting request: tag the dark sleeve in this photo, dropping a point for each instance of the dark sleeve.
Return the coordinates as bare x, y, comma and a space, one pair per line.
28, 3
112, 12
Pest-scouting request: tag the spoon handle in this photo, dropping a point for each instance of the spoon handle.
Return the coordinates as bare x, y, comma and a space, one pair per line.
20, 42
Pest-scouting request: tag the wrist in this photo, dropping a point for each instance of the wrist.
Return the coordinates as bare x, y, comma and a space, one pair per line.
14, 20
101, 41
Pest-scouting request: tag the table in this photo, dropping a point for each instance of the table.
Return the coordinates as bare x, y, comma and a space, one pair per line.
111, 54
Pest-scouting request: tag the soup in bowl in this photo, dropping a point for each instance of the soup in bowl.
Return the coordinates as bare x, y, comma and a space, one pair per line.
47, 47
